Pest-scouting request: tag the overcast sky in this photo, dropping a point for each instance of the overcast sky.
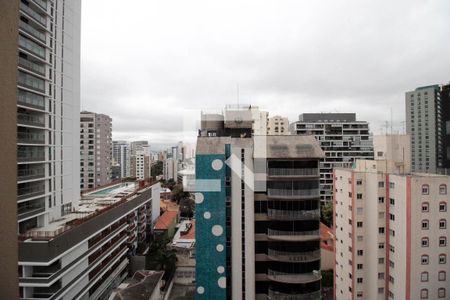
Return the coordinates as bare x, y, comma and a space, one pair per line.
152, 65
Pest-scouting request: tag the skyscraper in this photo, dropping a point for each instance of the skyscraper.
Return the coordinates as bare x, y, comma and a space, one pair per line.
95, 149
424, 125
341, 137
44, 111
257, 212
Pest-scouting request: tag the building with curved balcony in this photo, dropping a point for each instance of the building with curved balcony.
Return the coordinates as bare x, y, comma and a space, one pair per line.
257, 213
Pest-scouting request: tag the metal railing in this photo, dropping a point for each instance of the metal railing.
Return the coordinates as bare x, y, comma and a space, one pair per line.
31, 66
31, 81
293, 172
41, 3
293, 192
30, 99
36, 16
30, 137
24, 174
294, 256
34, 120
273, 232
274, 295
293, 277
24, 155
293, 214
33, 31
30, 191
30, 210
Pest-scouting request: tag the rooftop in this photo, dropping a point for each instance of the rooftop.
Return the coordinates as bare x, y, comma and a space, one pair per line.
165, 220
140, 287
90, 205
185, 235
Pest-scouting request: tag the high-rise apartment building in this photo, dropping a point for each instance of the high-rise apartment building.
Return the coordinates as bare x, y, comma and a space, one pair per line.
95, 149
424, 125
257, 212
139, 146
121, 157
277, 126
445, 100
140, 165
391, 228
170, 169
341, 137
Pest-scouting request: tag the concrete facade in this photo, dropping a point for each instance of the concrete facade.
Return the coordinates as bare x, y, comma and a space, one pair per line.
121, 157
140, 165
95, 150
277, 125
341, 137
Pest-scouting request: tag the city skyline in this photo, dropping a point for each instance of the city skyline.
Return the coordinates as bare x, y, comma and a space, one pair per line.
287, 58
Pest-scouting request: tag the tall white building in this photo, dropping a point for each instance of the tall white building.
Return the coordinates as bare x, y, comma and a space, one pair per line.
48, 104
121, 156
170, 169
391, 228
140, 165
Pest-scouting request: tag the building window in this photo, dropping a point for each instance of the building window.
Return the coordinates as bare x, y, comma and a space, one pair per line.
359, 266
391, 185
392, 201
392, 217
380, 275
424, 277
381, 230
425, 207
380, 199
425, 242
359, 294
359, 182
424, 259
425, 189
360, 252
442, 206
391, 279
359, 280
380, 245
380, 290
443, 189
359, 211
442, 259
425, 224
381, 260
442, 276
380, 184
442, 224
442, 241
441, 293
359, 224
423, 294
359, 196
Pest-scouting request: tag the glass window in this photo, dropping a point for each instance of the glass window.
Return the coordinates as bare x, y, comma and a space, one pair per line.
442, 276
425, 242
424, 259
423, 294
442, 206
425, 224
441, 293
424, 276
442, 224
443, 189
425, 189
442, 241
442, 258
425, 207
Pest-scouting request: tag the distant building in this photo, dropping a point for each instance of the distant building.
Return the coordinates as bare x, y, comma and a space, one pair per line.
121, 156
144, 285
170, 167
140, 165
166, 224
391, 228
139, 146
184, 244
341, 137
277, 126
95, 149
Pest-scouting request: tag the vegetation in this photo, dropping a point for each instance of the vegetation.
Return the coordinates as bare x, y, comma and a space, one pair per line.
326, 216
157, 169
187, 207
168, 184
161, 257
178, 193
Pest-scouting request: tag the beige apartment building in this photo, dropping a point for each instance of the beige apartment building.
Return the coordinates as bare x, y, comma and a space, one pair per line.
140, 165
95, 150
391, 227
277, 126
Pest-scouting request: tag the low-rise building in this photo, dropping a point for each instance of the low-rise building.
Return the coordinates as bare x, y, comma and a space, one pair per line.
144, 285
166, 225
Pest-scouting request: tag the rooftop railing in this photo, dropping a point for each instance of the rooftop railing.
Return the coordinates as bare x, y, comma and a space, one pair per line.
293, 256
293, 277
293, 214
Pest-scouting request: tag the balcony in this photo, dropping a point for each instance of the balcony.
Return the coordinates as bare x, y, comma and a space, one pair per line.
36, 16
283, 235
31, 82
293, 278
30, 191
32, 31
274, 295
278, 214
31, 119
293, 193
30, 155
31, 66
30, 209
286, 256
41, 3
30, 138
30, 100
293, 172
29, 174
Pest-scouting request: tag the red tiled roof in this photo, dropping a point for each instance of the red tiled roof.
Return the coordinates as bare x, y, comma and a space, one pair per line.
191, 233
326, 234
165, 220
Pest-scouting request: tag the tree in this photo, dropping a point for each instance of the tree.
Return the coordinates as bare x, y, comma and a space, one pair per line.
187, 207
161, 257
327, 214
157, 169
178, 193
